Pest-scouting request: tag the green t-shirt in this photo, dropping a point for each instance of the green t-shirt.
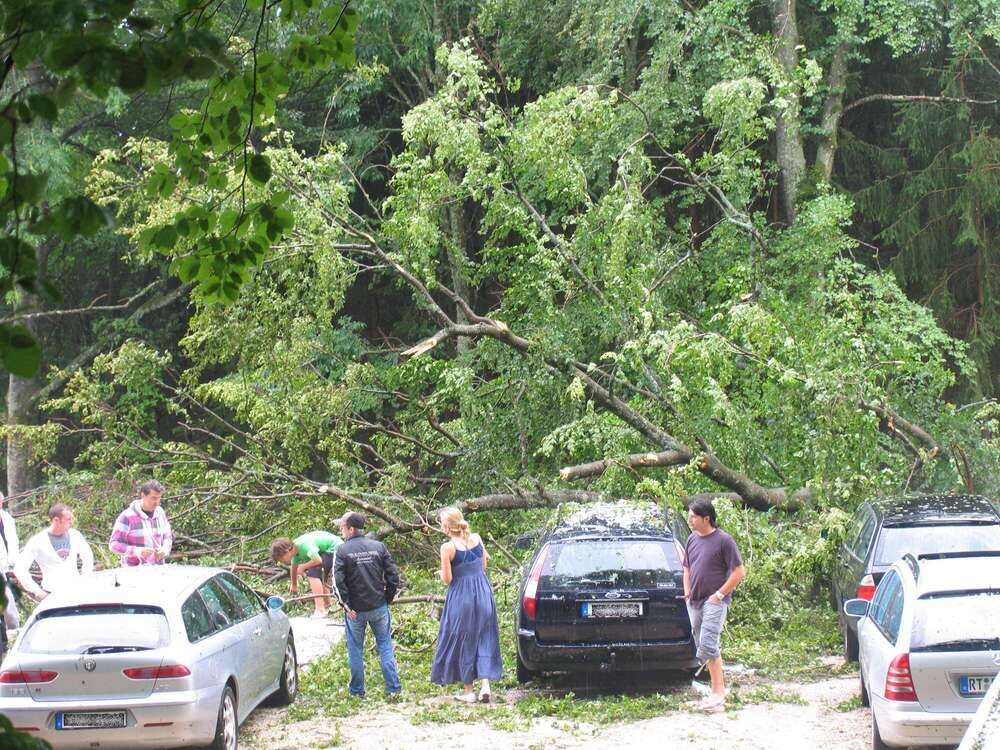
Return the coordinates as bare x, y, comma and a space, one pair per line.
310, 545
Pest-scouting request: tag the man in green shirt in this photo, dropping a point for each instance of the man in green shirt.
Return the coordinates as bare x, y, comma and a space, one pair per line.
312, 554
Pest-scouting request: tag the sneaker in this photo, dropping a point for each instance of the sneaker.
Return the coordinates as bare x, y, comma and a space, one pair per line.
466, 697
318, 615
484, 696
713, 703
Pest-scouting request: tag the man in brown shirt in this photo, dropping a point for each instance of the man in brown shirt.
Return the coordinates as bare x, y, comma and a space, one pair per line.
712, 569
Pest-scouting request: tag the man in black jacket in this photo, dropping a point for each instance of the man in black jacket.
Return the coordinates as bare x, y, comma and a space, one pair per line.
367, 579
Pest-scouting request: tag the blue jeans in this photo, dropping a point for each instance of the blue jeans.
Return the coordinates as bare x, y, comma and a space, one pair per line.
354, 634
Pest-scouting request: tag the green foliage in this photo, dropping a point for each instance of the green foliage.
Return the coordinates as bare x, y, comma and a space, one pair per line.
146, 48
11, 739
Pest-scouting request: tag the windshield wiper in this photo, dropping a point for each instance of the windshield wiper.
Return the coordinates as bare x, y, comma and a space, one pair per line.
964, 644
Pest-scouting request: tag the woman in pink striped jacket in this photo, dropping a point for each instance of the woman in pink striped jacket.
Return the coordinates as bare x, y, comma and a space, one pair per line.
142, 533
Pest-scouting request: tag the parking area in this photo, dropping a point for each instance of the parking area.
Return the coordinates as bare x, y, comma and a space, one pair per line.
823, 713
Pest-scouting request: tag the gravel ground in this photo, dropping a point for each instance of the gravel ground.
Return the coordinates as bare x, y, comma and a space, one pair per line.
314, 637
765, 726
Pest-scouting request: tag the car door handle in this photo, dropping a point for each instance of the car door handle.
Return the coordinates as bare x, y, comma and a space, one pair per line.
258, 631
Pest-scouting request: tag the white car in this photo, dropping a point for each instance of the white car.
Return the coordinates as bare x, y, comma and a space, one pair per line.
151, 657
984, 731
929, 646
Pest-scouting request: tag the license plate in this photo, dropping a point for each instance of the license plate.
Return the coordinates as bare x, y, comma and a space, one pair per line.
91, 720
973, 686
611, 609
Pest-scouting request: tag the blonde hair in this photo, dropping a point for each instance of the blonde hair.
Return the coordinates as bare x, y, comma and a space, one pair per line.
454, 523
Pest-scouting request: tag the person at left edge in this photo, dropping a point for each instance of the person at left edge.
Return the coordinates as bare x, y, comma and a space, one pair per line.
142, 535
56, 551
9, 549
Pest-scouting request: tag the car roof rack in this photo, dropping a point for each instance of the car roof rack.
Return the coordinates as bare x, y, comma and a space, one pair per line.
914, 565
958, 554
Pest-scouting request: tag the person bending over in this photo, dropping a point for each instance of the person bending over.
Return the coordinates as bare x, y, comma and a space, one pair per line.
312, 554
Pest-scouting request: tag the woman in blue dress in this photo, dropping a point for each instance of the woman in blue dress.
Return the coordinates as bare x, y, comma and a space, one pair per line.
468, 644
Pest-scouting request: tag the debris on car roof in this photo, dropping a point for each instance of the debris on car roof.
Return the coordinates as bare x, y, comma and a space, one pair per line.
621, 514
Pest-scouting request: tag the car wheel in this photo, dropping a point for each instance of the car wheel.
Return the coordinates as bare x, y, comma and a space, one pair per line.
877, 743
226, 728
865, 700
288, 685
523, 673
850, 644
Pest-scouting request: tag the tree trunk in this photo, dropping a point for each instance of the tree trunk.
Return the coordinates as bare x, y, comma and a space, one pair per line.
833, 108
457, 253
788, 131
21, 473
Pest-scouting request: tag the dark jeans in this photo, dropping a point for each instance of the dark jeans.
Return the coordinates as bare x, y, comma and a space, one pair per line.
354, 633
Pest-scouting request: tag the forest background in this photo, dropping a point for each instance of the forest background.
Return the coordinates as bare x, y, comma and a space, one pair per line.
397, 255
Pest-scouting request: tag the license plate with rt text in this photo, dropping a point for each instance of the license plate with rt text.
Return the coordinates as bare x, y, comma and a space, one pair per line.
974, 686
91, 720
611, 609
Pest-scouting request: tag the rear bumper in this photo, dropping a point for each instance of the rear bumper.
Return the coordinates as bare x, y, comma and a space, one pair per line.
610, 657
906, 724
187, 718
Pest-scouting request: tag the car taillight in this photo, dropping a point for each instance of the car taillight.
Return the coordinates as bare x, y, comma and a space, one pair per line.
156, 673
899, 681
529, 600
866, 589
21, 676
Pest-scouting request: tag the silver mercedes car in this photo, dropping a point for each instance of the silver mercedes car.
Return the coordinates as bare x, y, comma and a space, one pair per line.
158, 657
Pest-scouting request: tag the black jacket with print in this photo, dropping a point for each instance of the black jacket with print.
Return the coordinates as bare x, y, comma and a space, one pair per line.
365, 574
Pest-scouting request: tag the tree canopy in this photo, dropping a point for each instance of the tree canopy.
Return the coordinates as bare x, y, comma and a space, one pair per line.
517, 253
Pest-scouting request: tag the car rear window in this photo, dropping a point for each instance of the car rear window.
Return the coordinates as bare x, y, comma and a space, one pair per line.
619, 563
922, 540
956, 619
97, 630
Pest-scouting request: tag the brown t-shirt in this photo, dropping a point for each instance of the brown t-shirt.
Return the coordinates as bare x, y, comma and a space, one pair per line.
709, 560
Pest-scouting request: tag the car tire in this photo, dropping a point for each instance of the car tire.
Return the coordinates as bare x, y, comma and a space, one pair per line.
877, 743
851, 647
227, 726
288, 684
865, 699
523, 673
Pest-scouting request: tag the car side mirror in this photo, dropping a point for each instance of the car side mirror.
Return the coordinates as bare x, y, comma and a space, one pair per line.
274, 602
856, 607
527, 540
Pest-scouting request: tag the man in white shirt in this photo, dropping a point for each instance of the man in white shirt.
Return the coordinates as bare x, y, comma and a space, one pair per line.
9, 549
56, 550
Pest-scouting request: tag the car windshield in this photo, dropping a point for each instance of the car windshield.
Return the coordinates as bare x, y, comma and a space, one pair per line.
626, 563
922, 540
97, 630
958, 620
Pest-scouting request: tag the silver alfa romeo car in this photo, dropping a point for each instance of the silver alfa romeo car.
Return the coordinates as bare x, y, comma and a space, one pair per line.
152, 657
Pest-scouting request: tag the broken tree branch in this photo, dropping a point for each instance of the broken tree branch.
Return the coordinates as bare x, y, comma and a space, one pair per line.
907, 99
633, 461
424, 521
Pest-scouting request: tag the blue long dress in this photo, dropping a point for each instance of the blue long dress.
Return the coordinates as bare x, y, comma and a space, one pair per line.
468, 645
